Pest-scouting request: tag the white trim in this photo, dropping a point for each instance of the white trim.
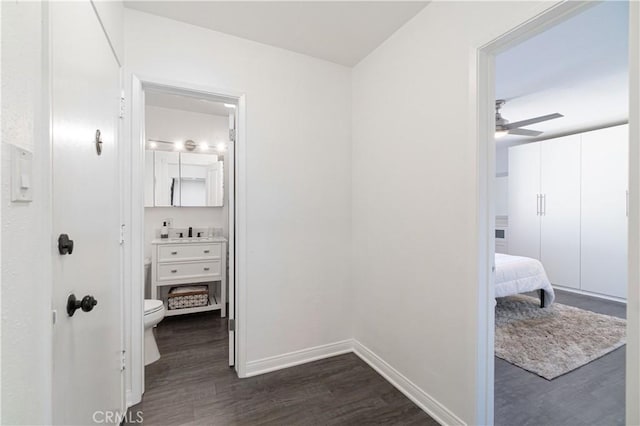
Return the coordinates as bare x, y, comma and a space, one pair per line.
134, 221
590, 294
426, 402
303, 356
632, 376
133, 218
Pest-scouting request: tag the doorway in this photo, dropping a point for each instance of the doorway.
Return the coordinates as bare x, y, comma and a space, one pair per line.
492, 236
191, 178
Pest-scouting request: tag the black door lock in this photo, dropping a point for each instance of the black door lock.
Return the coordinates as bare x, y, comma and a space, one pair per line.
65, 245
86, 304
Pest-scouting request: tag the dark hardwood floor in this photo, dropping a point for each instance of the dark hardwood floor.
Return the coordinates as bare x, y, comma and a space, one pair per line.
591, 395
191, 384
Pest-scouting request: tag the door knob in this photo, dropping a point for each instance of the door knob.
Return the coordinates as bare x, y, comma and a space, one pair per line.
98, 141
86, 304
65, 245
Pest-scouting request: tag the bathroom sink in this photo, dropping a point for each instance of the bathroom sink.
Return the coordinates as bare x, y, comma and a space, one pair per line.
190, 240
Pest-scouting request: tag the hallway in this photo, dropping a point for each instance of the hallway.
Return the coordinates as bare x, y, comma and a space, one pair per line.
192, 385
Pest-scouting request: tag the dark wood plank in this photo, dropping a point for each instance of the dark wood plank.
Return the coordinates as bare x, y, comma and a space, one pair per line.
591, 395
191, 384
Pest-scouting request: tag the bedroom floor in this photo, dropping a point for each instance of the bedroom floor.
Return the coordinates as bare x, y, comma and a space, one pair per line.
591, 395
192, 384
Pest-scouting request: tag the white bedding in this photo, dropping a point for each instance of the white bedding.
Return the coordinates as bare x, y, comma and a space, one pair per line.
515, 274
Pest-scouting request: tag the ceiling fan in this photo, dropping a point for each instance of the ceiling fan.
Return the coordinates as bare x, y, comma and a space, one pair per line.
503, 127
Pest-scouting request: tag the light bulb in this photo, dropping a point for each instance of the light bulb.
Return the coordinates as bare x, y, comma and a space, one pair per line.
221, 147
501, 133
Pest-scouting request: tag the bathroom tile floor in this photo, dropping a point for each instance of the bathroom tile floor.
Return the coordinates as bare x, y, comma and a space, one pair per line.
192, 384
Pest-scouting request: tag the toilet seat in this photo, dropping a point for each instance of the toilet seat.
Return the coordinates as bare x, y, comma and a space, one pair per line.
152, 305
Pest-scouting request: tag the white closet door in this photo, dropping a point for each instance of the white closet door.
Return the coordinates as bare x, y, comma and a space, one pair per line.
560, 210
604, 211
524, 187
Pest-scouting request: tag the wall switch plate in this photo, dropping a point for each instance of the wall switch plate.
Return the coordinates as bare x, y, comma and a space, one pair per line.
21, 175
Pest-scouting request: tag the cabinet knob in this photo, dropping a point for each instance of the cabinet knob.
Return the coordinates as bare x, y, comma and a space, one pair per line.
173, 271
174, 252
206, 251
206, 269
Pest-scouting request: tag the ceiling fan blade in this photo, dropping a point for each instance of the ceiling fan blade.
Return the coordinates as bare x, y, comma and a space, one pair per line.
524, 132
531, 121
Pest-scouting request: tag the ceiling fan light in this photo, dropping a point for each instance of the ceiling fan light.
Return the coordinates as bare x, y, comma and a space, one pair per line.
501, 133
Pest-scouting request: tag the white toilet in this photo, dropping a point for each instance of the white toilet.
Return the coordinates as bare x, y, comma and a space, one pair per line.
153, 314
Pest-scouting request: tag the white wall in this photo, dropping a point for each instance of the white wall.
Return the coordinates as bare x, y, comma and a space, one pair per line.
299, 211
172, 125
414, 220
26, 227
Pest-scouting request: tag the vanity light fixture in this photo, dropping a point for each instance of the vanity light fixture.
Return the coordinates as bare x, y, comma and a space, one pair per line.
221, 147
153, 145
179, 145
229, 105
204, 146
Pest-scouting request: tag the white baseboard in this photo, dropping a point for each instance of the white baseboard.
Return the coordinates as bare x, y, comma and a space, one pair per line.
587, 293
303, 356
422, 399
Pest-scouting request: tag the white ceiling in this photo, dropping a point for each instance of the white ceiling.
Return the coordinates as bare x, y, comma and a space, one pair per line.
577, 68
185, 103
343, 32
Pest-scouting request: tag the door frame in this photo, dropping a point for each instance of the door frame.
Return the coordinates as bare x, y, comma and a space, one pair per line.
482, 111
133, 220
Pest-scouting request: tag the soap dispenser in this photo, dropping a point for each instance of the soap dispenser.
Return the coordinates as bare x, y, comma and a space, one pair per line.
164, 231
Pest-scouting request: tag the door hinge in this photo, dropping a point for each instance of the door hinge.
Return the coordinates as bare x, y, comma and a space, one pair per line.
232, 135
122, 106
232, 325
123, 361
122, 234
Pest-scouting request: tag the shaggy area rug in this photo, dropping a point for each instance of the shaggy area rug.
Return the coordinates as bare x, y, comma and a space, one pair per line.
553, 341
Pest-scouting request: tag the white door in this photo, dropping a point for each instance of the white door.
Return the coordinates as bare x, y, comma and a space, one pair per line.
87, 347
604, 211
560, 210
524, 206
231, 167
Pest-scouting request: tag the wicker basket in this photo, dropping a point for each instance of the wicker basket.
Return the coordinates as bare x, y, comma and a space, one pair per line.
188, 297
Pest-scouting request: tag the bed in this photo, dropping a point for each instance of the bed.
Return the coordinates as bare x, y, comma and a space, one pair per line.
516, 274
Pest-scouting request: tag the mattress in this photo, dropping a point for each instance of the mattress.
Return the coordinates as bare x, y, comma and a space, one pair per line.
517, 274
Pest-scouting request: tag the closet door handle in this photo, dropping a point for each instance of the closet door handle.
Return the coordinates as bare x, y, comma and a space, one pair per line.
627, 202
537, 204
544, 205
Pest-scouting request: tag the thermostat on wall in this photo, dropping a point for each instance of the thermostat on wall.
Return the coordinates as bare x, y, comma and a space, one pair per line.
21, 174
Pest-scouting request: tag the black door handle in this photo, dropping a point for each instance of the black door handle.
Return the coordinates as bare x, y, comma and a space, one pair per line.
86, 304
65, 245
